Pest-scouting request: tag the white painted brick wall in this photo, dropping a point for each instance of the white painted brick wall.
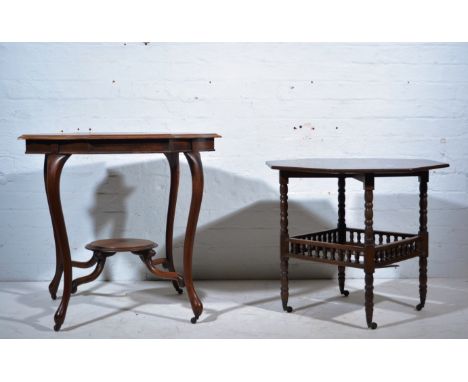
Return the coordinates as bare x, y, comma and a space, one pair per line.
352, 100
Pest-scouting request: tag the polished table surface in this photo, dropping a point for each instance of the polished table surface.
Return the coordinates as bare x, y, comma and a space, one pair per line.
117, 143
117, 136
355, 165
59, 147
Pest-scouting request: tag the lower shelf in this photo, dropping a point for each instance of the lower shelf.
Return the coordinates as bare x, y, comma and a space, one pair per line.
390, 247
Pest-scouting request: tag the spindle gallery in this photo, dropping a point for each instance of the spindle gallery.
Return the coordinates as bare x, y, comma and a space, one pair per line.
366, 249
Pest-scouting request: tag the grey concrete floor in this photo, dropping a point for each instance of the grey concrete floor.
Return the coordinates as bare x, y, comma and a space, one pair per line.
237, 309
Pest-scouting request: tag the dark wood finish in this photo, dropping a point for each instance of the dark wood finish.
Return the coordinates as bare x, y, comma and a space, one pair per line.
341, 227
53, 286
109, 247
341, 280
85, 264
369, 249
151, 264
322, 247
350, 167
113, 136
173, 160
196, 170
54, 164
58, 148
366, 249
98, 258
424, 245
121, 245
284, 237
117, 143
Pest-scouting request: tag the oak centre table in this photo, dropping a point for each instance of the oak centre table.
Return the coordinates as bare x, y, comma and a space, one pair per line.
366, 248
59, 147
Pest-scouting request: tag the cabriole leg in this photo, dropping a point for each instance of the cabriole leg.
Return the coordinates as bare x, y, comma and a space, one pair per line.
196, 169
54, 284
173, 159
53, 168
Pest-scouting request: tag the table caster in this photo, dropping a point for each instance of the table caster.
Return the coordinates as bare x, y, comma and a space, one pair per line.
193, 320
372, 325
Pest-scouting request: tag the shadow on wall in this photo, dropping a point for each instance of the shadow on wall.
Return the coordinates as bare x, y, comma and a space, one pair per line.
109, 205
109, 212
238, 229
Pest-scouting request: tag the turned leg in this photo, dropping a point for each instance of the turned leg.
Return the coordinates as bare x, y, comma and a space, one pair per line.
369, 249
284, 285
341, 231
422, 282
99, 258
424, 246
53, 169
369, 295
284, 236
173, 159
196, 169
341, 281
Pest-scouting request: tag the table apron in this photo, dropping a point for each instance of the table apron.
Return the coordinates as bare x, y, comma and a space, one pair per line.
357, 176
134, 146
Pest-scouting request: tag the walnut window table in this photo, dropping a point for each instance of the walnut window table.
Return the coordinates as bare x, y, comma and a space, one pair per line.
59, 147
366, 248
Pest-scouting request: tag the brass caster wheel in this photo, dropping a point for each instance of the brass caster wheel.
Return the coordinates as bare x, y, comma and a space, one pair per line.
419, 307
372, 325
